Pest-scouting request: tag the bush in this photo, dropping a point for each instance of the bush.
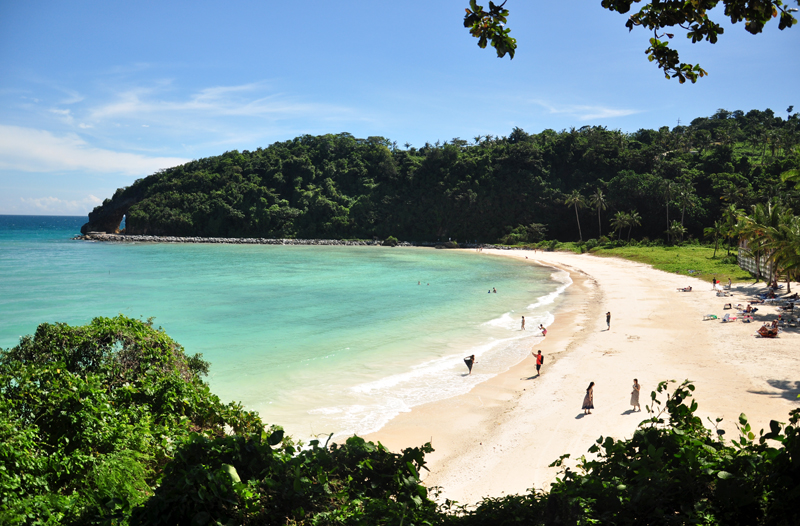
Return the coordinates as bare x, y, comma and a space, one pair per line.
91, 413
390, 241
524, 234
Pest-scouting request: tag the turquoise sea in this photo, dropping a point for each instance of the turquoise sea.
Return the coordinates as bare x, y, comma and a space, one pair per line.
316, 339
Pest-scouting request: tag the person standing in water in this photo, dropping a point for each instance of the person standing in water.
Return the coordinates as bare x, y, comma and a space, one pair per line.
539, 361
523, 323
635, 395
608, 320
588, 400
470, 361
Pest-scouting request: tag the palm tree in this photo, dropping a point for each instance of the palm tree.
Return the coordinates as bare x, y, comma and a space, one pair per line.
731, 217
784, 242
669, 188
759, 230
634, 219
598, 202
620, 221
686, 196
675, 230
714, 232
576, 200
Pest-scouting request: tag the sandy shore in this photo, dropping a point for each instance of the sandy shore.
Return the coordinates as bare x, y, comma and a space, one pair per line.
500, 437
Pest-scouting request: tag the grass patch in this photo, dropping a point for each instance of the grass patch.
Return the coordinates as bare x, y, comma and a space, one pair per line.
674, 259
682, 260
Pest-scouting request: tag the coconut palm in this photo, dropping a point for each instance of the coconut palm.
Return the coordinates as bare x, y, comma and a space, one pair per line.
731, 217
634, 219
598, 202
714, 232
619, 221
759, 229
675, 230
686, 197
576, 200
783, 244
669, 189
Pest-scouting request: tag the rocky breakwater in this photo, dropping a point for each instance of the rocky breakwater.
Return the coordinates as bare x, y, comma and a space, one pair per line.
122, 238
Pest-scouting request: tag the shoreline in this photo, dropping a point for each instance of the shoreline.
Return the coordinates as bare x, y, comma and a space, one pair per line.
500, 437
473, 416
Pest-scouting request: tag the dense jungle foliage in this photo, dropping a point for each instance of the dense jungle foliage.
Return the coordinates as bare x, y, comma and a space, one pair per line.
111, 423
338, 186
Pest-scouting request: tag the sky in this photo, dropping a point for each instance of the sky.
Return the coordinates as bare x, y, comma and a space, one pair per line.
94, 95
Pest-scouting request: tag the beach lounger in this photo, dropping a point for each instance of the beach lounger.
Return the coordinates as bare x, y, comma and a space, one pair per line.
728, 318
709, 317
747, 319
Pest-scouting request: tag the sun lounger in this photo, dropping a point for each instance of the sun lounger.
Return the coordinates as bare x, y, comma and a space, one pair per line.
709, 317
747, 319
728, 318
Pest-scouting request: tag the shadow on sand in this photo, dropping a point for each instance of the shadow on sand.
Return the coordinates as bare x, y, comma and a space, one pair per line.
786, 389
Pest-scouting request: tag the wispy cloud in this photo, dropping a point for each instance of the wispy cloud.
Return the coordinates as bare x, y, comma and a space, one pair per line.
56, 206
246, 100
32, 150
586, 112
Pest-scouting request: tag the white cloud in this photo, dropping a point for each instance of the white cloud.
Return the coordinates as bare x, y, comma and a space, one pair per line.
245, 100
586, 113
32, 150
56, 206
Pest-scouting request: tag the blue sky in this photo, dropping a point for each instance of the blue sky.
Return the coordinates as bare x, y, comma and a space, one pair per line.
94, 95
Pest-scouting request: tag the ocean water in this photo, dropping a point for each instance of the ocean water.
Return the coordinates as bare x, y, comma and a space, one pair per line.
316, 339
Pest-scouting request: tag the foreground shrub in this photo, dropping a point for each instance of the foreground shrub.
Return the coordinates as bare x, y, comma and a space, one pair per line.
110, 423
90, 414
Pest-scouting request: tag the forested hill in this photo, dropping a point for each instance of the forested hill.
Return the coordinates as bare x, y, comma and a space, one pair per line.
338, 186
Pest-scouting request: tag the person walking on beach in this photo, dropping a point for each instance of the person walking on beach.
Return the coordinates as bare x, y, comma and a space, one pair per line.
523, 323
588, 400
608, 320
635, 395
539, 361
713, 283
470, 361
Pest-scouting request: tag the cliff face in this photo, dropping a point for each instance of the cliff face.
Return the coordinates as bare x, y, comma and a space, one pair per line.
107, 217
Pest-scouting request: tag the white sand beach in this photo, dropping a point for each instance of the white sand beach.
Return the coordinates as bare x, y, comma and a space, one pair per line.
500, 438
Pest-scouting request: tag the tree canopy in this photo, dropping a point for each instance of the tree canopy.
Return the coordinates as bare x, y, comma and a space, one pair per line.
343, 187
663, 17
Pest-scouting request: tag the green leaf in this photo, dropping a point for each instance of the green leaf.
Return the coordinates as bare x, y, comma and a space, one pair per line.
275, 438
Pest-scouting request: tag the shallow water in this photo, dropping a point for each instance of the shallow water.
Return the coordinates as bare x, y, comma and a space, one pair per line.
317, 339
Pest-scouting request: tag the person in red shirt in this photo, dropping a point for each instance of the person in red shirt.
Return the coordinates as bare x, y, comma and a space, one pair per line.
539, 361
